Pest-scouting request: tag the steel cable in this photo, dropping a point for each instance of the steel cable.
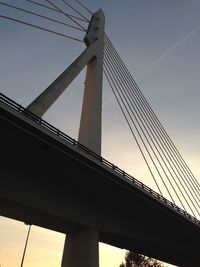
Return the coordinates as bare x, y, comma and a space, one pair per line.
65, 14
137, 111
39, 15
83, 6
112, 77
74, 9
123, 93
109, 78
41, 28
54, 9
146, 106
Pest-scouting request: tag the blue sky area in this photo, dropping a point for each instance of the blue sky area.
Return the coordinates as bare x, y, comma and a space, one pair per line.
158, 41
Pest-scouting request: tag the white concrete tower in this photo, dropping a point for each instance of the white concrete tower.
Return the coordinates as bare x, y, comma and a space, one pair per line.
90, 124
82, 249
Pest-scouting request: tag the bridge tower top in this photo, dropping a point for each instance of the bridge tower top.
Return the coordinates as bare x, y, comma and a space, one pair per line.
95, 28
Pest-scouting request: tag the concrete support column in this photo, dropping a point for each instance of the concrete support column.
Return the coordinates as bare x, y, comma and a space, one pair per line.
90, 123
81, 249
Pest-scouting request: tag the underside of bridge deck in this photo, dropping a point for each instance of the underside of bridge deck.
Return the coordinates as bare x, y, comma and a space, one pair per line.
53, 185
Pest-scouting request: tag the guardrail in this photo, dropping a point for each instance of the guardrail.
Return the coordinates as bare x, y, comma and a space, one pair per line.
11, 103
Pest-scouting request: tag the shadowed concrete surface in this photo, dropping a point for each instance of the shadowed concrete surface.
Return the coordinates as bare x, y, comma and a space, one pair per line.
49, 183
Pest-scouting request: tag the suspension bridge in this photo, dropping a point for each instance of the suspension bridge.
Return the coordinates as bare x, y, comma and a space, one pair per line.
75, 190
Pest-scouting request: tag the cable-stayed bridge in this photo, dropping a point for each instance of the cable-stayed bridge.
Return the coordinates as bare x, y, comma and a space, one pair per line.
76, 191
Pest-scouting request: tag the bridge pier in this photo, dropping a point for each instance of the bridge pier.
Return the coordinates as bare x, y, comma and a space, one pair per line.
81, 249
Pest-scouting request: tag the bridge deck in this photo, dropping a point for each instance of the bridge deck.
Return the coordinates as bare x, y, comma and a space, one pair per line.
50, 180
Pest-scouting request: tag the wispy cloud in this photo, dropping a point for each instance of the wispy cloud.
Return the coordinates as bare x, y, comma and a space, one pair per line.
168, 51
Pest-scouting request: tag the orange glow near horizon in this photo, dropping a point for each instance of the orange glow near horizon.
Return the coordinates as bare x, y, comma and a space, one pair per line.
44, 247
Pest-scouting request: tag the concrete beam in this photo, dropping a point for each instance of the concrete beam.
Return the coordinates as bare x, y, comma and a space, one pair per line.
44, 101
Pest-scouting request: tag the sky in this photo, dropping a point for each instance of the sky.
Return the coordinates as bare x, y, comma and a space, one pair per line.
158, 41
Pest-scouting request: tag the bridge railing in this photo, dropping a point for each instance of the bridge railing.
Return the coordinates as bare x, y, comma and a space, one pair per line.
17, 107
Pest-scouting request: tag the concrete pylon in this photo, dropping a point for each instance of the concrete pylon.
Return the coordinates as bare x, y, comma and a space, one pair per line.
90, 124
82, 249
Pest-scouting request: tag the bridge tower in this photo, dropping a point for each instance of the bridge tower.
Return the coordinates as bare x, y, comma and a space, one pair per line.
82, 249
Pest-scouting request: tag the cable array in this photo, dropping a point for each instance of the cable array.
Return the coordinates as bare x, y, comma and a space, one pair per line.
53, 9
165, 164
78, 20
88, 10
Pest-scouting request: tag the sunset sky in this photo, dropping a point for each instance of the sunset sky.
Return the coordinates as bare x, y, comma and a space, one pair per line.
158, 41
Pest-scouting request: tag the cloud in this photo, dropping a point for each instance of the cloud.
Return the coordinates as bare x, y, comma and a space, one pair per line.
168, 51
